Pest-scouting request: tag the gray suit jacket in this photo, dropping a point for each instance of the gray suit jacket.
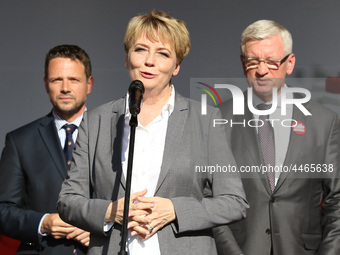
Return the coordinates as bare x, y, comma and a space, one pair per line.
191, 141
289, 220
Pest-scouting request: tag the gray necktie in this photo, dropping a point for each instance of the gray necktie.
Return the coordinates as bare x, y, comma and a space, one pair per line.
267, 144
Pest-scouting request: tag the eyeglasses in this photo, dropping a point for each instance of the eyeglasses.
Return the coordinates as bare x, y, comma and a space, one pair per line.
251, 63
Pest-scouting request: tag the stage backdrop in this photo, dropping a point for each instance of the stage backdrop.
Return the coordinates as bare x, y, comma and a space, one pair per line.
30, 28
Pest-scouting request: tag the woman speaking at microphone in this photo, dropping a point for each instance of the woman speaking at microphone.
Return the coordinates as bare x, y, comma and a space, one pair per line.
168, 211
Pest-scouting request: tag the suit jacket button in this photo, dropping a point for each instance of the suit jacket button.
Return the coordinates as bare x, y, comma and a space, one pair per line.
273, 200
268, 231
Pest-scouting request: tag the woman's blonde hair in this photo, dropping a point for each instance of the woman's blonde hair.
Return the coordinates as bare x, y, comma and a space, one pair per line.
157, 25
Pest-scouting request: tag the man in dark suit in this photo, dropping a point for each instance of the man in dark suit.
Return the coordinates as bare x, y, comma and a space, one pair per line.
284, 216
33, 165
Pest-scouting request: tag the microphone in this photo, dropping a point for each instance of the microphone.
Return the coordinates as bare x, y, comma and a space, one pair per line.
136, 91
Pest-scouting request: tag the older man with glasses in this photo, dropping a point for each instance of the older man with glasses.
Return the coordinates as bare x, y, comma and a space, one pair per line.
284, 216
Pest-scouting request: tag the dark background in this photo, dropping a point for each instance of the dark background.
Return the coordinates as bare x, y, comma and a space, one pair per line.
30, 28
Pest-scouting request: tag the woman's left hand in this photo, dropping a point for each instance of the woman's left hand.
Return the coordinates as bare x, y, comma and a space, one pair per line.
162, 214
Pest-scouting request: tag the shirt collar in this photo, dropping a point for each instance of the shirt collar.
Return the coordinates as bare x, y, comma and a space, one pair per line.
168, 108
59, 122
289, 95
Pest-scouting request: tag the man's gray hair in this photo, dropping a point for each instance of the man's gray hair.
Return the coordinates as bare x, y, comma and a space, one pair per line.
263, 29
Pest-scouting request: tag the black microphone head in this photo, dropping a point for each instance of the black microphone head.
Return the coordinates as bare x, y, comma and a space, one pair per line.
136, 91
136, 84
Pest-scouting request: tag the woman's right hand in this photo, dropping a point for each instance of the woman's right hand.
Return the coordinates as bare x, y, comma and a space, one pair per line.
138, 211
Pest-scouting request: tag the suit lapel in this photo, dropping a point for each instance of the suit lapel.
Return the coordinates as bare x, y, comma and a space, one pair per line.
50, 137
174, 134
117, 134
249, 136
294, 146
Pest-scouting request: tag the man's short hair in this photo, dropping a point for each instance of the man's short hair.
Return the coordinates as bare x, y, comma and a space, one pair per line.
263, 29
69, 51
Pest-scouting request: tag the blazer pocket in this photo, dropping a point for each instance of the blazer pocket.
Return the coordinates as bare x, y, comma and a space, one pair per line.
311, 241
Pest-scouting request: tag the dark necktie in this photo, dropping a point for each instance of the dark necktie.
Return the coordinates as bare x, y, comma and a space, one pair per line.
69, 144
267, 144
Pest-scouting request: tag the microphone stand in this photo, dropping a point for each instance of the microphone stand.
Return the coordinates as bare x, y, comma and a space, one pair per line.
133, 124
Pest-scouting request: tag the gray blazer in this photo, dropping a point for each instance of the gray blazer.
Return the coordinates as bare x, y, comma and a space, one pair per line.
289, 220
191, 140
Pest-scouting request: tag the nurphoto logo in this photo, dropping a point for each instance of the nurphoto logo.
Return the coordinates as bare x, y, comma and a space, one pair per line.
204, 97
239, 102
